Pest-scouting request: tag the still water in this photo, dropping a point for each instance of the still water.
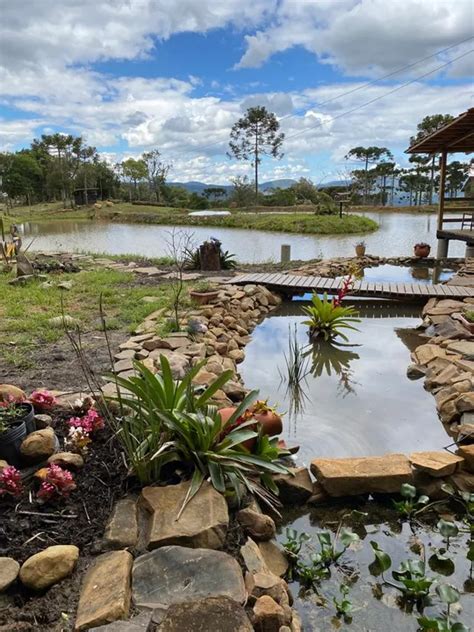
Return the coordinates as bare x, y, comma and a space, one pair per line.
396, 236
356, 399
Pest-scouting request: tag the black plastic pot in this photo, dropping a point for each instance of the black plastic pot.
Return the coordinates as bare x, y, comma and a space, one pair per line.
11, 439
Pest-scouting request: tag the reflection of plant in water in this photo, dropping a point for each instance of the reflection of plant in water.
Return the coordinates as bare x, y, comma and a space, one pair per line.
330, 357
294, 375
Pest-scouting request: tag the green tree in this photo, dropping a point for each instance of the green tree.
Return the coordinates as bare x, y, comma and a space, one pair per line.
242, 192
134, 171
214, 193
456, 173
368, 156
23, 177
384, 170
254, 135
157, 172
430, 124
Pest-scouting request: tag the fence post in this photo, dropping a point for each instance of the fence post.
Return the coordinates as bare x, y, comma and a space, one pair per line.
285, 253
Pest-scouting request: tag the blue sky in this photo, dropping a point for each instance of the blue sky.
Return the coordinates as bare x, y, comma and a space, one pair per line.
131, 75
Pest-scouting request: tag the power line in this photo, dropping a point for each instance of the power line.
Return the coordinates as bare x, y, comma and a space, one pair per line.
370, 83
382, 96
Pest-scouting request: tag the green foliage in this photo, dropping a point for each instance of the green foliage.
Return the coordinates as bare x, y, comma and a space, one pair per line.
327, 320
343, 606
448, 595
410, 503
166, 420
469, 315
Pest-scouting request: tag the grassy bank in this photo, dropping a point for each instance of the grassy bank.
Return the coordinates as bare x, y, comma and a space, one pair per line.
25, 311
291, 222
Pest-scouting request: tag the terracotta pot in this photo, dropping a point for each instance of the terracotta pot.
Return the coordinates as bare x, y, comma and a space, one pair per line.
421, 251
270, 421
202, 298
360, 251
225, 414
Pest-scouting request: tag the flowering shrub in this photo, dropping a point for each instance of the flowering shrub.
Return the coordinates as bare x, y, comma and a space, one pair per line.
10, 482
58, 483
80, 429
43, 400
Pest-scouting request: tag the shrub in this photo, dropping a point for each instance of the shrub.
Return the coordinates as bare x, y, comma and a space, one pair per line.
327, 318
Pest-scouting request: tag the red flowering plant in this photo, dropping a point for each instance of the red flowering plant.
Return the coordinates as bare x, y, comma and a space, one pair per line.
43, 400
57, 484
10, 482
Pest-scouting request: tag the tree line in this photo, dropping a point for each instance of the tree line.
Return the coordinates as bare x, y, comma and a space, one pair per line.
63, 167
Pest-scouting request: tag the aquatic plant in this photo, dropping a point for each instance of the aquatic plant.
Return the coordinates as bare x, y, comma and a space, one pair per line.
294, 375
328, 317
449, 595
410, 503
344, 605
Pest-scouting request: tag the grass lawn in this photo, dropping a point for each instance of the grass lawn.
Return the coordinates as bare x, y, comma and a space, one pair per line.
291, 222
25, 310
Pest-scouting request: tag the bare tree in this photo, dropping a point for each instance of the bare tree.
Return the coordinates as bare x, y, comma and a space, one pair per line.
179, 242
157, 171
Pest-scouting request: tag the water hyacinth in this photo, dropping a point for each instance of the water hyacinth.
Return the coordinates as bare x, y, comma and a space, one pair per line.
10, 482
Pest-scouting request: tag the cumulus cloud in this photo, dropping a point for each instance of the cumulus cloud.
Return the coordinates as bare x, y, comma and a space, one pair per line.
365, 36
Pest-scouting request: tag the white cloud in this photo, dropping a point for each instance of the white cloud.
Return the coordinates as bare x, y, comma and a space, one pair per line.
366, 36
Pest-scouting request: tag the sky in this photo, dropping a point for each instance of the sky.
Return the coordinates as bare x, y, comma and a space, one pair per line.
134, 75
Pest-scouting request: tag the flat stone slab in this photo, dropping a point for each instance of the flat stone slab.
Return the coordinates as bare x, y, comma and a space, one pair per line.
467, 453
176, 574
215, 613
294, 488
464, 347
105, 593
366, 475
437, 464
122, 529
202, 524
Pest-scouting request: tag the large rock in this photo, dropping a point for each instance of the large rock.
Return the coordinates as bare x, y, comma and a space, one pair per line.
294, 488
39, 445
8, 391
269, 616
257, 525
49, 566
467, 453
202, 524
437, 464
9, 569
213, 613
465, 403
366, 475
274, 557
176, 574
122, 529
253, 557
464, 347
266, 583
426, 353
67, 460
105, 593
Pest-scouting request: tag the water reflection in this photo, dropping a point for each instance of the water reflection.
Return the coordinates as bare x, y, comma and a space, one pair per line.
397, 234
358, 400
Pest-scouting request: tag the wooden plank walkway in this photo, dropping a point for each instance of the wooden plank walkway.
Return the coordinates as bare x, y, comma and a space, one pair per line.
295, 284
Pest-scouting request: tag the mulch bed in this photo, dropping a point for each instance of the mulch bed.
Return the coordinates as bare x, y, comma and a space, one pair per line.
28, 527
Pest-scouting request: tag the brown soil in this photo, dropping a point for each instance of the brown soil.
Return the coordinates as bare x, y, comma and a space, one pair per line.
28, 527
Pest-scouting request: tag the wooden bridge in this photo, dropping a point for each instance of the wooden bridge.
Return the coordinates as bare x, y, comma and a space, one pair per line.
295, 284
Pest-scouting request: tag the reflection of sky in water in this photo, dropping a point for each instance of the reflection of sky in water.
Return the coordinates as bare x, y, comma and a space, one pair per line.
385, 413
396, 236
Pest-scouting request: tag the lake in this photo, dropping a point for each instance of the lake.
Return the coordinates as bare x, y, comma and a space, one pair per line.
396, 236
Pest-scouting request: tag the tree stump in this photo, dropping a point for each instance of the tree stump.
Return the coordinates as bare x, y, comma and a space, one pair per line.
210, 255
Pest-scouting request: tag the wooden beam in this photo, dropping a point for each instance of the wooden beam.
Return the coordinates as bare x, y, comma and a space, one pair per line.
442, 187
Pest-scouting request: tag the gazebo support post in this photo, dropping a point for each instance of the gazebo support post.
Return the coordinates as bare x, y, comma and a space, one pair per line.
443, 244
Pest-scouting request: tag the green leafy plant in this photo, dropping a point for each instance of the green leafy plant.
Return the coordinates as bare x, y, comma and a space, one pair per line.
448, 529
165, 420
469, 315
410, 503
413, 582
327, 319
292, 545
344, 605
449, 595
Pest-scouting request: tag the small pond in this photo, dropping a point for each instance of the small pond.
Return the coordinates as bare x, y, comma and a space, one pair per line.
356, 399
377, 607
397, 234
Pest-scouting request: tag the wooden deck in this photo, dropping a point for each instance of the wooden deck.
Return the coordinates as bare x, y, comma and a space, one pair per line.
457, 235
295, 284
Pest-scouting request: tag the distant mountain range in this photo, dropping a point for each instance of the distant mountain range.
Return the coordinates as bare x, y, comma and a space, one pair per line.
284, 183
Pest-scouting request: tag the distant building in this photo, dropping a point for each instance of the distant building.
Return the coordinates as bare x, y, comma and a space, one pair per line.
84, 197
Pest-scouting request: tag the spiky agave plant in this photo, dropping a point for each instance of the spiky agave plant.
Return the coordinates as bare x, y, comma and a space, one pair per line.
327, 318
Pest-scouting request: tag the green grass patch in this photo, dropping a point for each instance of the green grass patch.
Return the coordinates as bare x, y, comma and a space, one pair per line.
25, 311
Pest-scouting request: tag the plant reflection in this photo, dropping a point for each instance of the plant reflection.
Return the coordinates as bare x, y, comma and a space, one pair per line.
330, 357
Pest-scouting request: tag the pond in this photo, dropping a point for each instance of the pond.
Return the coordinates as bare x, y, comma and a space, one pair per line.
356, 399
396, 236
377, 607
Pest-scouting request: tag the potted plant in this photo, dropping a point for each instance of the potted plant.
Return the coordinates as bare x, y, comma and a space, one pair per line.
265, 416
422, 250
360, 248
203, 293
467, 319
16, 422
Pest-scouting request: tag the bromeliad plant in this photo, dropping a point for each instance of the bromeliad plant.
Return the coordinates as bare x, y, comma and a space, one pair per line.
328, 317
167, 421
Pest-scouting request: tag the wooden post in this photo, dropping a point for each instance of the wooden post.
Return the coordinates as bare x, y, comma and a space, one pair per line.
442, 186
285, 253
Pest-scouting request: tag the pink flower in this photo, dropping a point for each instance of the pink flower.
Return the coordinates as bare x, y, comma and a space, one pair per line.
57, 483
90, 422
43, 399
10, 482
343, 291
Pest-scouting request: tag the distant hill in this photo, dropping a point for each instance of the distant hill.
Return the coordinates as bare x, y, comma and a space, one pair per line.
198, 187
